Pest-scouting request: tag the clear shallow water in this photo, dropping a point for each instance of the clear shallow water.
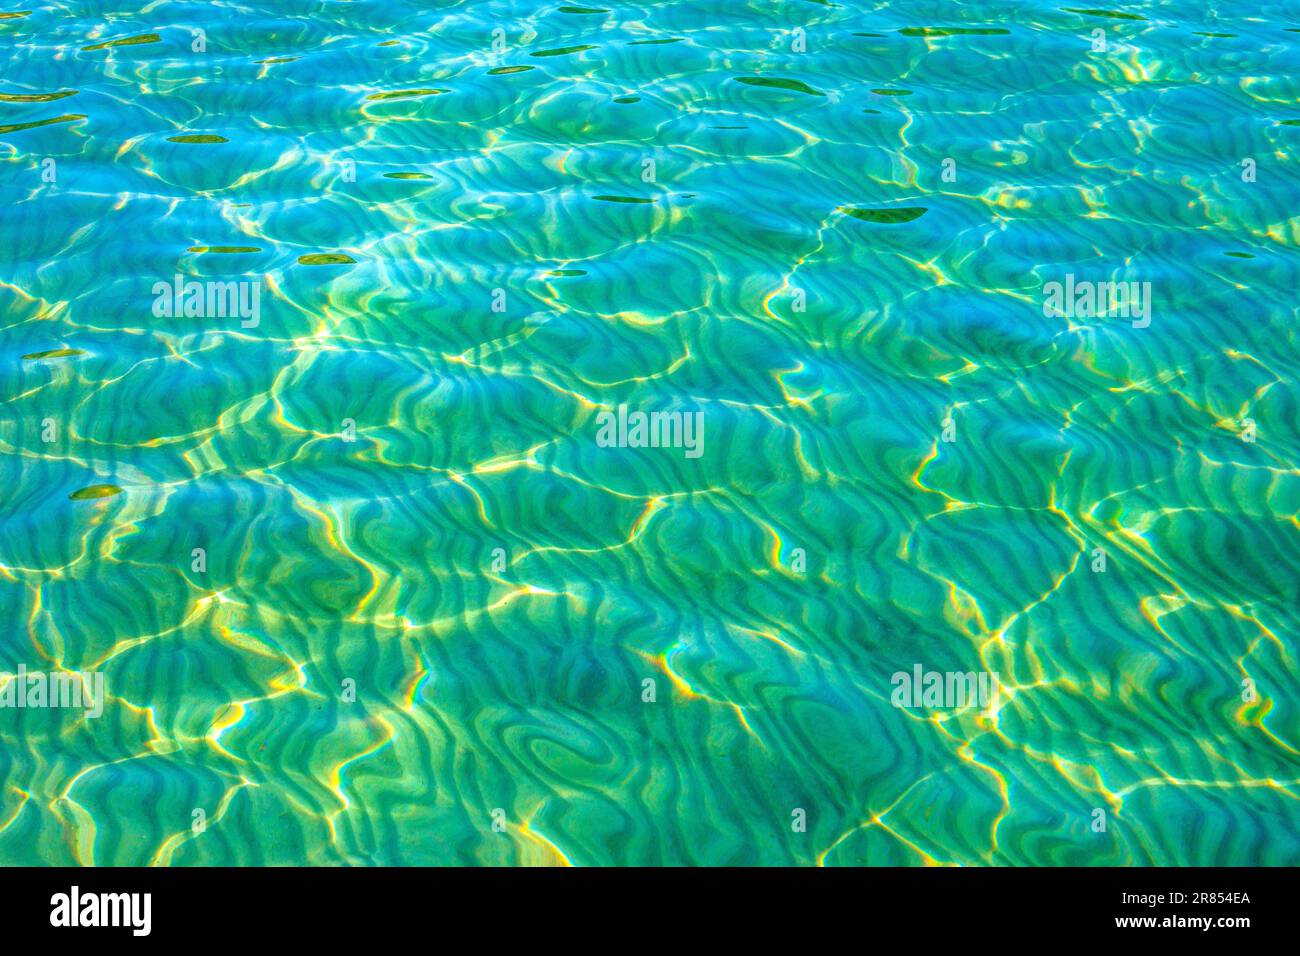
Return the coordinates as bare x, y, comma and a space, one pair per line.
826, 349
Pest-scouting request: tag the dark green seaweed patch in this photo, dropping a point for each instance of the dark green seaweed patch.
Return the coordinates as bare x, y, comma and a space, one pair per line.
953, 31
891, 215
125, 41
781, 83
35, 97
325, 259
95, 491
66, 118
52, 353
403, 94
564, 50
1109, 14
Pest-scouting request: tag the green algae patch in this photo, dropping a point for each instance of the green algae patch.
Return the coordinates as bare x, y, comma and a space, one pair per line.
95, 491
326, 259
405, 94
563, 50
1108, 14
35, 97
52, 353
890, 216
780, 83
953, 31
66, 118
125, 41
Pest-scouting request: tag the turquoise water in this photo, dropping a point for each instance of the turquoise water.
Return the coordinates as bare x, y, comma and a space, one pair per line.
435, 618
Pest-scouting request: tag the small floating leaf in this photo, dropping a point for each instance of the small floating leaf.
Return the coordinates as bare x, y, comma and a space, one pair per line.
890, 214
1240, 255
125, 41
1294, 122
407, 176
325, 259
95, 491
388, 43
562, 51
403, 94
877, 112
886, 91
35, 97
53, 353
1199, 34
67, 118
501, 70
223, 250
622, 199
780, 82
567, 272
19, 13
881, 35
198, 138
279, 59
582, 10
953, 31
654, 42
627, 99
1109, 14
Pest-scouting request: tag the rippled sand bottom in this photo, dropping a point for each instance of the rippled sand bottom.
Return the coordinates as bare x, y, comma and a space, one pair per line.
367, 584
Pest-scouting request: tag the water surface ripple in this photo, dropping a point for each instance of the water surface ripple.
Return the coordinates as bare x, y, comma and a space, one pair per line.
474, 228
